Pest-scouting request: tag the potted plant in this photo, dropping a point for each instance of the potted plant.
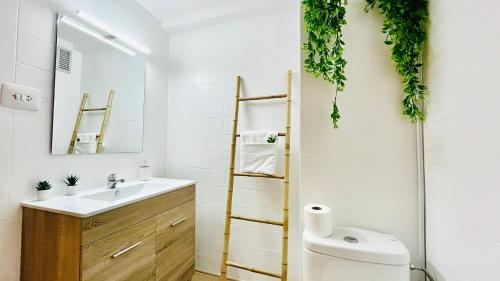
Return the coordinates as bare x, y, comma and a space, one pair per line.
43, 190
71, 182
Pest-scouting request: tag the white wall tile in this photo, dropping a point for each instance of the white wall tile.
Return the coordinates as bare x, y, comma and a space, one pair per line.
6, 114
50, 6
36, 22
35, 118
461, 141
193, 65
6, 70
35, 52
8, 43
5, 138
489, 268
4, 171
8, 14
36, 78
4, 199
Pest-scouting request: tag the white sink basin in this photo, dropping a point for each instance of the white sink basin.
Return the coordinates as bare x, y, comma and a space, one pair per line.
98, 200
117, 193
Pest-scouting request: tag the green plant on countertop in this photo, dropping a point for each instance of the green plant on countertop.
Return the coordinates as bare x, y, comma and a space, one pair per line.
272, 139
71, 180
325, 48
43, 185
405, 25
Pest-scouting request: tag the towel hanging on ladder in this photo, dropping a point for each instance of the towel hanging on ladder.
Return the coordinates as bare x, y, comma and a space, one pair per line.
86, 143
258, 152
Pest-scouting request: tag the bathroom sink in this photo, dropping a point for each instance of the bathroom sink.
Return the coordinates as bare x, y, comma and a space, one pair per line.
101, 199
118, 193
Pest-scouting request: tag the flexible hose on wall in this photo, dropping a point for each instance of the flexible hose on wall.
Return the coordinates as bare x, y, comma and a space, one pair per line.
413, 267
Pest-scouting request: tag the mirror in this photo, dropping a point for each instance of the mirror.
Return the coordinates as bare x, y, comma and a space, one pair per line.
99, 92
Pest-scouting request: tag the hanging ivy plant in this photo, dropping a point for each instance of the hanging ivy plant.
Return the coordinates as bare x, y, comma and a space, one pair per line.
405, 23
324, 49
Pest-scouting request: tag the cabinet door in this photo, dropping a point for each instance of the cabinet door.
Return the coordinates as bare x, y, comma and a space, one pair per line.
128, 254
175, 235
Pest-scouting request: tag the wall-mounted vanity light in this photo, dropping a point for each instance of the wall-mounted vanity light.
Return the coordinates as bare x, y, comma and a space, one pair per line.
112, 33
104, 33
73, 23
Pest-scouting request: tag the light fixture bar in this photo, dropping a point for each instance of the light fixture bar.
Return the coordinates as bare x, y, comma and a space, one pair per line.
112, 32
71, 22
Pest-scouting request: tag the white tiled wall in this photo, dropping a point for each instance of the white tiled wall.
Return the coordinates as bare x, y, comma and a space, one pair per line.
462, 142
26, 57
367, 169
203, 66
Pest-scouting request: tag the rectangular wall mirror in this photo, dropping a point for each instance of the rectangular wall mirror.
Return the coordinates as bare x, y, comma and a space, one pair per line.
99, 92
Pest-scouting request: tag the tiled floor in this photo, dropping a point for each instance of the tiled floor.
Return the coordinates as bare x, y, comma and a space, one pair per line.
200, 276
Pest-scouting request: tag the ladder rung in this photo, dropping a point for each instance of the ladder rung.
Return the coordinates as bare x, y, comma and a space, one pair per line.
95, 109
257, 220
257, 175
264, 97
279, 135
253, 269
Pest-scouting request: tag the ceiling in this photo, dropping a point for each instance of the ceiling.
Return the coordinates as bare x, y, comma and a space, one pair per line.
178, 14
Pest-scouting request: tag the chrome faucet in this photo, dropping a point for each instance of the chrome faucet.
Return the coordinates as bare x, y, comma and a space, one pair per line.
112, 181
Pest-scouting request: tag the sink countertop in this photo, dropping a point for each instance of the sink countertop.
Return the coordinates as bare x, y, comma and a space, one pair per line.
79, 206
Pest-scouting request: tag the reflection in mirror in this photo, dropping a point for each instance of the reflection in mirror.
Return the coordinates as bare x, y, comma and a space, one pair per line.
99, 91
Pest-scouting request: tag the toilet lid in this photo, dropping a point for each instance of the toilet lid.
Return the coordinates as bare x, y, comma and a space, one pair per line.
360, 245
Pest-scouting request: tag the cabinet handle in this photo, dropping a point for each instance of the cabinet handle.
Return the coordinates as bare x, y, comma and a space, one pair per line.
125, 250
179, 221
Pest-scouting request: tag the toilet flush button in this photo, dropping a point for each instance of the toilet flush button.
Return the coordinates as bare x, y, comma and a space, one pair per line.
351, 239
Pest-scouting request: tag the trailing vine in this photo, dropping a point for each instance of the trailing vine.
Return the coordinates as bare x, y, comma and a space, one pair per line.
405, 26
324, 49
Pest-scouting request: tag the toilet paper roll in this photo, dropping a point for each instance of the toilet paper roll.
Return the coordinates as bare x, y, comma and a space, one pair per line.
318, 220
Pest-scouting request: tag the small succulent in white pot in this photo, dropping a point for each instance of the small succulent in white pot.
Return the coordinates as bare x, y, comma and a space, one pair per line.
43, 190
71, 182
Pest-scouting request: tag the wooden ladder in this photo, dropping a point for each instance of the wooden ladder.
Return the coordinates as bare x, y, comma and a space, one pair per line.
105, 121
230, 216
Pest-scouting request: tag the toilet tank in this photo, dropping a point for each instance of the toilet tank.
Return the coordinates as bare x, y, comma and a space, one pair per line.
353, 254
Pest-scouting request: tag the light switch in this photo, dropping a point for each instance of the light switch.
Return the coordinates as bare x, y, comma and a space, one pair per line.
20, 97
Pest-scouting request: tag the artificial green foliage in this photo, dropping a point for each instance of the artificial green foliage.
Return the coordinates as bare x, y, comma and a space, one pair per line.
272, 139
43, 185
405, 24
71, 180
325, 49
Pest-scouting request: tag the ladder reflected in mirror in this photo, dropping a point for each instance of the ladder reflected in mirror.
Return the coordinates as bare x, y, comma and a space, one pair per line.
105, 121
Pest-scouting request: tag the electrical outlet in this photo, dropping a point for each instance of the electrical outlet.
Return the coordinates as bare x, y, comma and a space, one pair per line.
20, 97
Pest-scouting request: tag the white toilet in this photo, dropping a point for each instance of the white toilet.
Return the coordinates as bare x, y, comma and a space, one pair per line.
352, 254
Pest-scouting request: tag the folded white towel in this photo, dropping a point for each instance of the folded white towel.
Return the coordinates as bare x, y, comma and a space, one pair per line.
86, 138
86, 143
258, 153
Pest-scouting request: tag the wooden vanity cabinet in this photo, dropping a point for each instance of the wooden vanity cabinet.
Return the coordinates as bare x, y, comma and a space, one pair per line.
145, 241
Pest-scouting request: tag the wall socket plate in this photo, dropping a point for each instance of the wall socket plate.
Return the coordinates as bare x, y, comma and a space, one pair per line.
20, 97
